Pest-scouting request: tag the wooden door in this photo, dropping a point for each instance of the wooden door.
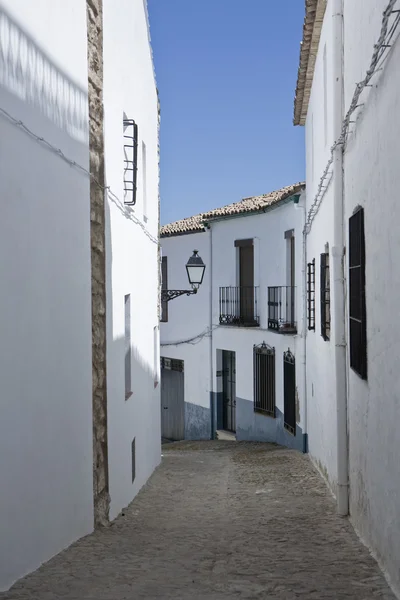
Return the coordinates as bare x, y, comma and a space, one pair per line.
172, 399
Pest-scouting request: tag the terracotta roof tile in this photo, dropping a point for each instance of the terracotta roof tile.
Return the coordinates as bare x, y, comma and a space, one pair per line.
254, 203
188, 225
315, 11
247, 205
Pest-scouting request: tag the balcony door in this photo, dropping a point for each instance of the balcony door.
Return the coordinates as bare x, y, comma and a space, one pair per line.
291, 280
246, 280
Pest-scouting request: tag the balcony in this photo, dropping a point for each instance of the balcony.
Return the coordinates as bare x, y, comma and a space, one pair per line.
281, 309
238, 306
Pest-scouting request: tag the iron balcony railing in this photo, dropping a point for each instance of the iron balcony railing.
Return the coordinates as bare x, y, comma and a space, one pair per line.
282, 309
238, 306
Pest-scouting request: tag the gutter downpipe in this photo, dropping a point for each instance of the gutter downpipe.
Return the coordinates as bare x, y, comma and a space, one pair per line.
305, 325
342, 497
212, 396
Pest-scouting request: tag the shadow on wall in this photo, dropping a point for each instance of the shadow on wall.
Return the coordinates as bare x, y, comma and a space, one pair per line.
29, 73
45, 309
133, 422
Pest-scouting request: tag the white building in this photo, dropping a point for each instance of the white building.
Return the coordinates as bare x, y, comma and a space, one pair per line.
219, 346
61, 238
349, 68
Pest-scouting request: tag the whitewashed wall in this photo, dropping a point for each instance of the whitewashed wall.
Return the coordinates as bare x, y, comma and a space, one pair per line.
189, 316
268, 232
46, 499
372, 180
132, 263
322, 430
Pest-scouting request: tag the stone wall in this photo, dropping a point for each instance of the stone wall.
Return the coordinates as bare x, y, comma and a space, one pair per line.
97, 219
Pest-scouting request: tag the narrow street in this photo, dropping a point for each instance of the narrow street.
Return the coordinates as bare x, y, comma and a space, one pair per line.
218, 520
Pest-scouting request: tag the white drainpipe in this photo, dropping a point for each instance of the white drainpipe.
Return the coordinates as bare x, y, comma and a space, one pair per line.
339, 334
305, 322
212, 404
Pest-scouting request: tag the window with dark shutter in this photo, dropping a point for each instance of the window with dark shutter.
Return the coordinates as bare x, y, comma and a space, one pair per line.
289, 392
164, 285
357, 308
325, 297
311, 295
264, 379
130, 160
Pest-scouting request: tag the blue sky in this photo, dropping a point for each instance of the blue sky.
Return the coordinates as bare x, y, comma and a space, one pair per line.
226, 73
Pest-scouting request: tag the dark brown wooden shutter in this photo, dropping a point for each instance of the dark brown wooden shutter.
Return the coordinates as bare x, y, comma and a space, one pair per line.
357, 308
164, 279
246, 280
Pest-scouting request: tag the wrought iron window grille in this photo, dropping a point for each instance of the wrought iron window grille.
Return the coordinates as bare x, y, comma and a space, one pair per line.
130, 161
289, 391
264, 379
325, 297
311, 295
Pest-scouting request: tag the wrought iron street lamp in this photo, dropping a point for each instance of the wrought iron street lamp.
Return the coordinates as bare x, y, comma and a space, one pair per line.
195, 271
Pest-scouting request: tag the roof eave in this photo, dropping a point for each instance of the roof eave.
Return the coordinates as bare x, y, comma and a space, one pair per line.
258, 211
315, 11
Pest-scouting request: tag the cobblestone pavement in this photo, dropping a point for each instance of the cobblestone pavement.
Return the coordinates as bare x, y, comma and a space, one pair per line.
218, 520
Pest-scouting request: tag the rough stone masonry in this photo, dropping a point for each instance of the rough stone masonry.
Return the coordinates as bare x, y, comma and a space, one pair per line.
98, 259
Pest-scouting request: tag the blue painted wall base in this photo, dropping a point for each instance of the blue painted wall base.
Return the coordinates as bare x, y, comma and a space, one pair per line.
197, 422
256, 427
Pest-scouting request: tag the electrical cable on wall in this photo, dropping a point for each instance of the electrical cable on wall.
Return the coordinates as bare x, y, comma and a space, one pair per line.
194, 340
111, 195
379, 55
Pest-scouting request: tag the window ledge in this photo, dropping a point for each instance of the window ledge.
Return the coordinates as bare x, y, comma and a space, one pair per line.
264, 414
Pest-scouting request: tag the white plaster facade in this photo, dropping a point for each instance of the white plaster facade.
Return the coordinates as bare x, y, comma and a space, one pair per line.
46, 499
132, 263
322, 428
46, 445
199, 315
371, 180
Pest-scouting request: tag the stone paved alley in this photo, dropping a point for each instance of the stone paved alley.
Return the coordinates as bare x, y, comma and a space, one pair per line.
218, 520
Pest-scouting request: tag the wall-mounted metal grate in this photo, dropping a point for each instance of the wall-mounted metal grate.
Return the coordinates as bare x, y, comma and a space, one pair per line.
172, 364
325, 297
289, 391
357, 308
311, 295
264, 379
130, 161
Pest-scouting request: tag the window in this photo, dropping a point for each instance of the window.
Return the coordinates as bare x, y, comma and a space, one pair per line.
264, 379
133, 455
311, 295
289, 392
325, 97
144, 180
357, 310
156, 342
164, 286
128, 348
325, 298
130, 160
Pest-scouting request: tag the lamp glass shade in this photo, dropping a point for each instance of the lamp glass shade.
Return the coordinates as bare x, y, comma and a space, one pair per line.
195, 269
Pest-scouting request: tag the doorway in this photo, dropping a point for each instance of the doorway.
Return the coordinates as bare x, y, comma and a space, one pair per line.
229, 390
172, 399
